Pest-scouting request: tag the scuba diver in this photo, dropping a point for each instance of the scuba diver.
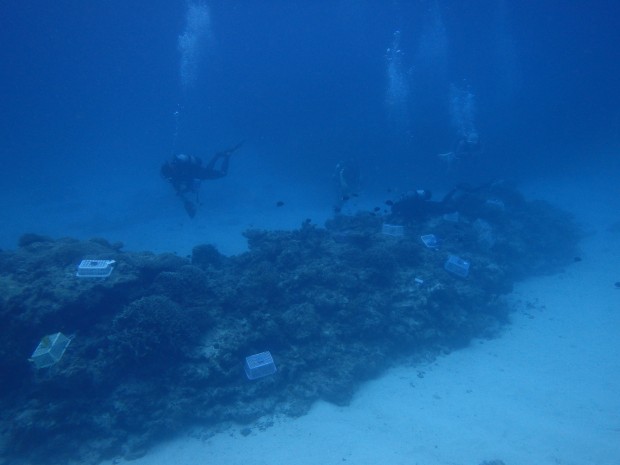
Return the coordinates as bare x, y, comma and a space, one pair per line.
466, 148
348, 182
418, 205
185, 172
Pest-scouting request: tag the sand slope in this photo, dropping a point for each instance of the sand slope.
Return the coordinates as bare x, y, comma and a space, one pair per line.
546, 392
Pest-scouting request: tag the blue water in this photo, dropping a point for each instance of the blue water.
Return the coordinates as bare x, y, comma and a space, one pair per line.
90, 92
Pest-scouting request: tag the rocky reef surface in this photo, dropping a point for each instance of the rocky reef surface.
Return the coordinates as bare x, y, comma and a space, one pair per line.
160, 344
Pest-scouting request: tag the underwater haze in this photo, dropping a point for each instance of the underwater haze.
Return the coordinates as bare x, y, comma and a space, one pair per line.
325, 121
98, 95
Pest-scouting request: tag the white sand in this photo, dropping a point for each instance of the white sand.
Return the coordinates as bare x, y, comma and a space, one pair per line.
545, 392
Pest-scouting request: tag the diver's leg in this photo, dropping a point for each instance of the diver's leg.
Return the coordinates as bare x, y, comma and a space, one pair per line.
211, 165
190, 207
225, 164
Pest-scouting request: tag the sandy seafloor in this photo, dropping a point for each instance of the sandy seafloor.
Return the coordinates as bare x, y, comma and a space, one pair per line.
547, 391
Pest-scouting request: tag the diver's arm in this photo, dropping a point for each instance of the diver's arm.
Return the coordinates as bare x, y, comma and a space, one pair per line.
229, 152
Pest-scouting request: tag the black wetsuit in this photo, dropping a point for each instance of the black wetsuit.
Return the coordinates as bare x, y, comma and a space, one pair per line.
418, 205
184, 173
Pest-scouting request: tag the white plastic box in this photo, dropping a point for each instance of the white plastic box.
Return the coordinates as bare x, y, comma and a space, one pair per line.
497, 204
452, 217
430, 241
393, 230
50, 350
259, 365
457, 266
95, 268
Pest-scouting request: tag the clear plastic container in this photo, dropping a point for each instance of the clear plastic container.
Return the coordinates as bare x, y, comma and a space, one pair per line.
50, 350
259, 365
95, 268
430, 241
393, 230
457, 266
452, 217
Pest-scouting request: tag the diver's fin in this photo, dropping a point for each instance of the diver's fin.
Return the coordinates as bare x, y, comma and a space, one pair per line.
235, 148
190, 208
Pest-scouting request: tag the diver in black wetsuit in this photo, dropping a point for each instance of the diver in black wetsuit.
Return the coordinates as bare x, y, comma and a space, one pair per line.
348, 182
418, 205
185, 172
466, 148
469, 146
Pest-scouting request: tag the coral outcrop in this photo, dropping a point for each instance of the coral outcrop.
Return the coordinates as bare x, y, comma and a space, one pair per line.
160, 344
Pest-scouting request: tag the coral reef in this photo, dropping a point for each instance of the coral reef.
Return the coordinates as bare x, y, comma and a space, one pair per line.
160, 344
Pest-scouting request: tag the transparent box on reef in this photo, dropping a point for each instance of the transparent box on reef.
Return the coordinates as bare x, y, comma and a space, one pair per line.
457, 266
95, 268
259, 365
430, 241
50, 350
393, 230
452, 217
